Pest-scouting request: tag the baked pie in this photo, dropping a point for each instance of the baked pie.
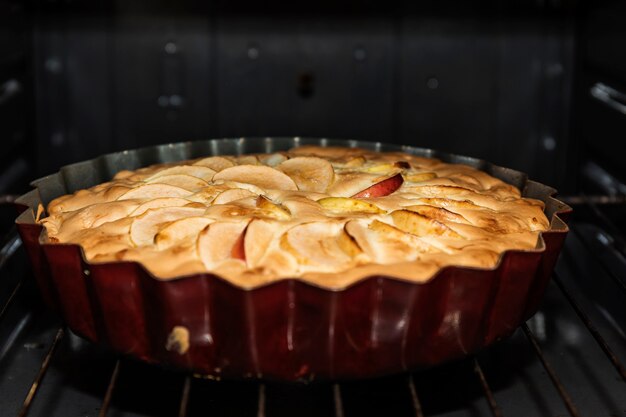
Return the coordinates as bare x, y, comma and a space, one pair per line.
294, 263
326, 215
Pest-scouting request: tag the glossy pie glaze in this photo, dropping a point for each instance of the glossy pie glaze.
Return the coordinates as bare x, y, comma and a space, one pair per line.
330, 216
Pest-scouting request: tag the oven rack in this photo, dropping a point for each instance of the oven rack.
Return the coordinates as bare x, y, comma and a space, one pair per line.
585, 298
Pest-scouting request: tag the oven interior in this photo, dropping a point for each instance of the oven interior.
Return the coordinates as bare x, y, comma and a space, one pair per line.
538, 86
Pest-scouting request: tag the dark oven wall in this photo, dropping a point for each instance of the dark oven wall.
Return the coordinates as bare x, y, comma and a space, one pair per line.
601, 92
16, 104
480, 80
17, 161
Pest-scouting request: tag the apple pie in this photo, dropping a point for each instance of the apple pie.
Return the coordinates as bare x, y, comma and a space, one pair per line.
327, 215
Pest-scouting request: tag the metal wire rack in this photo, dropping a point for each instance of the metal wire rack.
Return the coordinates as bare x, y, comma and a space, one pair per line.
567, 360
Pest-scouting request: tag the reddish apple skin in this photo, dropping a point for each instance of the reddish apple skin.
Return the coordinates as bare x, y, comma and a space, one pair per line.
238, 251
381, 189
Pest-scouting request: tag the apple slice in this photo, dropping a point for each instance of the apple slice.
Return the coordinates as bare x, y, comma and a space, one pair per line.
345, 204
238, 250
113, 193
230, 212
420, 177
207, 194
123, 174
154, 191
159, 203
262, 251
354, 162
438, 213
448, 202
259, 236
232, 194
247, 160
304, 208
250, 187
447, 189
187, 182
216, 163
317, 246
272, 209
260, 239
382, 188
387, 167
419, 225
111, 240
94, 215
221, 241
144, 228
309, 173
180, 231
349, 183
383, 243
348, 244
274, 159
197, 171
259, 175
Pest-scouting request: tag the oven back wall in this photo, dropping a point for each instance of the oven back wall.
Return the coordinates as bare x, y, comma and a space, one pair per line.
492, 86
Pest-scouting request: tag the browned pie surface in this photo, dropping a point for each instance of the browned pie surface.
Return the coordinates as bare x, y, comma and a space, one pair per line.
328, 215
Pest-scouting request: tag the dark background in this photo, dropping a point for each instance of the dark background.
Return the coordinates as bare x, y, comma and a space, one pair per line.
504, 81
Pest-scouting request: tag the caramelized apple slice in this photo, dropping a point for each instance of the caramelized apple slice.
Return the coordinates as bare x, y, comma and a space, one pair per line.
145, 227
187, 182
259, 175
317, 245
207, 194
232, 194
154, 191
221, 241
229, 212
159, 203
216, 163
345, 204
419, 225
197, 171
272, 209
309, 173
180, 231
382, 188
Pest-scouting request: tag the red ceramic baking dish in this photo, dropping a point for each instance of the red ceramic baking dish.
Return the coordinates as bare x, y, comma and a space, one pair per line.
287, 330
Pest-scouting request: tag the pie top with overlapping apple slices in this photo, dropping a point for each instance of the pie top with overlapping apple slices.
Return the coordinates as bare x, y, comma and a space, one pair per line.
327, 215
